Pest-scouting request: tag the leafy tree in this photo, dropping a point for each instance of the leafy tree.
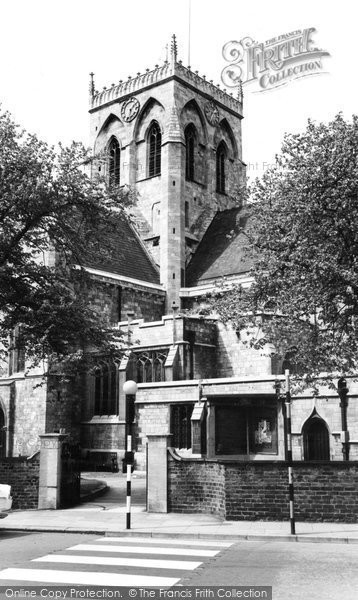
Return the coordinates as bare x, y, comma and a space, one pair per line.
53, 218
303, 230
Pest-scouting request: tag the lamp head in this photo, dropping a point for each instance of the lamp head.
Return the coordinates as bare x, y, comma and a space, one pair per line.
130, 388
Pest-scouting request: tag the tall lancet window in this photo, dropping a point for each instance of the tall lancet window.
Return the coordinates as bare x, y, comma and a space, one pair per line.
190, 143
114, 162
154, 150
220, 168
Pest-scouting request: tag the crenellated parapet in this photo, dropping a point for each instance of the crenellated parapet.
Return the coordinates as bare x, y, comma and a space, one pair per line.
208, 87
132, 85
161, 73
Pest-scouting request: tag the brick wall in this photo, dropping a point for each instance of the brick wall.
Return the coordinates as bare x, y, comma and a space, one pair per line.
327, 492
23, 476
250, 491
256, 491
196, 484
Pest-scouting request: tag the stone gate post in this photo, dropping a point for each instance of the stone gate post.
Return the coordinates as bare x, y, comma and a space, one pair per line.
50, 470
157, 472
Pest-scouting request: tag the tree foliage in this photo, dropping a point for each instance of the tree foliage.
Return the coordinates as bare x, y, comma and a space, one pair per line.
304, 234
53, 218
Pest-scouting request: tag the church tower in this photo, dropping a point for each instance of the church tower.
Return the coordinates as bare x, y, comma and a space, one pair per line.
176, 138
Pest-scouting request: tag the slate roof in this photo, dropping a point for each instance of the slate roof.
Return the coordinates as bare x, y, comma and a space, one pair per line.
223, 251
129, 257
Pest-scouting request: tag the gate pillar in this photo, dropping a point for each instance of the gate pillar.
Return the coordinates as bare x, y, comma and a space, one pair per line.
50, 470
157, 473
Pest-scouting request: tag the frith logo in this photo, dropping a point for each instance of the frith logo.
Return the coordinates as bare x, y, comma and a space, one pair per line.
272, 63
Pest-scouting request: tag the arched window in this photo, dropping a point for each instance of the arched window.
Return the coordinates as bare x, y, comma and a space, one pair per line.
114, 162
190, 143
180, 425
106, 388
154, 150
316, 439
291, 362
149, 366
220, 168
97, 391
16, 352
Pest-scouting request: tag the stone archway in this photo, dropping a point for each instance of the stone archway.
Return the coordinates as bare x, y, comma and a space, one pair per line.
316, 439
2, 434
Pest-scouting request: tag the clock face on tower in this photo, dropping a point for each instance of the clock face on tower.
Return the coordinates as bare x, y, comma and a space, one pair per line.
212, 113
130, 109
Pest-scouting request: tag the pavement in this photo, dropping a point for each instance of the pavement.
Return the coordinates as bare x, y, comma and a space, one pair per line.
103, 511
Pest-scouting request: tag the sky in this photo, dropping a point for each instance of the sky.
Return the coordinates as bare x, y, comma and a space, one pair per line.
48, 49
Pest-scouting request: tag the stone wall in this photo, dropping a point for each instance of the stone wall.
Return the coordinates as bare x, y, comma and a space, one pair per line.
153, 333
235, 357
63, 406
204, 350
23, 401
23, 476
324, 492
103, 436
150, 419
113, 301
327, 406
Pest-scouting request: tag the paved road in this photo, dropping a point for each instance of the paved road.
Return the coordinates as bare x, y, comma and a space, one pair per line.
115, 561
117, 488
296, 571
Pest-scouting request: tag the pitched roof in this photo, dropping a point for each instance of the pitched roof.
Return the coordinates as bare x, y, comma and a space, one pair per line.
223, 249
129, 257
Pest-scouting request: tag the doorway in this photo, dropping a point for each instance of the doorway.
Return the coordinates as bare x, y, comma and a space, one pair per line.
316, 439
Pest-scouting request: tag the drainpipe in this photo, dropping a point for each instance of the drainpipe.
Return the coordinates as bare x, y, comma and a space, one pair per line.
343, 394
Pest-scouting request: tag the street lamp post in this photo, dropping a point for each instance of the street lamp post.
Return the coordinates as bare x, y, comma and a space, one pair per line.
130, 389
289, 452
343, 395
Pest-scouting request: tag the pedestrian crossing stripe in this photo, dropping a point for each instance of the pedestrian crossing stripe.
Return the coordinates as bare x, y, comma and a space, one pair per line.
144, 550
86, 578
115, 546
135, 508
120, 561
175, 541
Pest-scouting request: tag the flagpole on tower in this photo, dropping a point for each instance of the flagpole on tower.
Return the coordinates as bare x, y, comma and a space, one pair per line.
189, 30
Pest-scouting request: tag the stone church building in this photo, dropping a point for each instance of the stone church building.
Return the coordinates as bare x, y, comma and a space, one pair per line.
175, 138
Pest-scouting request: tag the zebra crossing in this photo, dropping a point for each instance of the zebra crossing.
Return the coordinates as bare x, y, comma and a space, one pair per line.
117, 561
